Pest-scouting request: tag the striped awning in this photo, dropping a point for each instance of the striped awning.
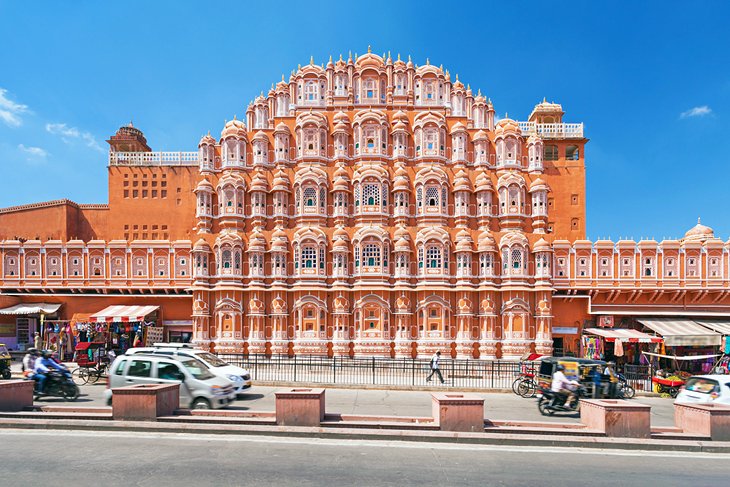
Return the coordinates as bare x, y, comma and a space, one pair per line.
720, 326
123, 314
31, 309
623, 335
679, 332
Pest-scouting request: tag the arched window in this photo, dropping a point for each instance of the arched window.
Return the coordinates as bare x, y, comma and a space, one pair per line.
309, 257
371, 255
226, 259
371, 193
433, 257
310, 196
432, 196
551, 153
516, 259
311, 93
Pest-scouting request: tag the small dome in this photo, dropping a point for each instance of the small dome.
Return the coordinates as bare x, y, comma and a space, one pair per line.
282, 128
259, 183
464, 245
369, 60
206, 140
400, 116
279, 234
340, 244
340, 233
261, 135
234, 128
534, 139
541, 245
458, 127
461, 181
539, 184
483, 182
486, 242
400, 127
480, 135
507, 126
402, 245
401, 232
281, 182
201, 245
699, 232
204, 185
341, 117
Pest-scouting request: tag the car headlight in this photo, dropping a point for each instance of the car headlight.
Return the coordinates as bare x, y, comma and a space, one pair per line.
233, 378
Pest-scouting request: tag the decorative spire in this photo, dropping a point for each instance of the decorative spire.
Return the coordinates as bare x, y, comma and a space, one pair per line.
330, 57
457, 76
698, 220
311, 60
428, 62
340, 56
369, 50
398, 56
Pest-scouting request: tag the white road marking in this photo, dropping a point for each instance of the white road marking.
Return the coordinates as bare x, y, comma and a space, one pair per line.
367, 443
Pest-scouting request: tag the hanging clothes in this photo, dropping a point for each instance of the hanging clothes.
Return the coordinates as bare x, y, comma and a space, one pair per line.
618, 348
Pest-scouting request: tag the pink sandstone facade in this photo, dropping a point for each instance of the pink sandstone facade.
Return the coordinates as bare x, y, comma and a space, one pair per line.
366, 207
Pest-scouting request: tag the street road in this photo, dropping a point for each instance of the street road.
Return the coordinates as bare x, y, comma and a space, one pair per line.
31, 458
497, 406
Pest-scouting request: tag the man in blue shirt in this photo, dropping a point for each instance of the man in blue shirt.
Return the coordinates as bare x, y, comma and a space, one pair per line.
42, 366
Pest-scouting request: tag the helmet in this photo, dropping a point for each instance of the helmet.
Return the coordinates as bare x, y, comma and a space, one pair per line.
33, 351
46, 353
561, 367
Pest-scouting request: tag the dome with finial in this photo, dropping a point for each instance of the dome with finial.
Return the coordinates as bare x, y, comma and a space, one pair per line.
461, 181
483, 182
698, 233
281, 182
206, 140
282, 128
370, 60
541, 245
486, 242
507, 126
234, 128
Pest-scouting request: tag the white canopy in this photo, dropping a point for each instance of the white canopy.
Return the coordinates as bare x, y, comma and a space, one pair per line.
688, 357
678, 332
720, 326
31, 309
623, 335
123, 314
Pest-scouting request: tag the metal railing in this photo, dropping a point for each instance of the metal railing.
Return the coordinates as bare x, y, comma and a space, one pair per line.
639, 376
458, 373
153, 158
552, 130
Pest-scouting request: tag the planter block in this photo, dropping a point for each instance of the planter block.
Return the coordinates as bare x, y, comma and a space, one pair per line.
711, 420
300, 407
616, 417
15, 395
145, 402
458, 412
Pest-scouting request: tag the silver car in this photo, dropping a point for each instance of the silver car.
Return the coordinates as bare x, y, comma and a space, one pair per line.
199, 388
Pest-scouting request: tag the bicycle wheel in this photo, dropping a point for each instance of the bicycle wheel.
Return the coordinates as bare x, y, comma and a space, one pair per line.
80, 375
94, 375
527, 388
516, 384
628, 391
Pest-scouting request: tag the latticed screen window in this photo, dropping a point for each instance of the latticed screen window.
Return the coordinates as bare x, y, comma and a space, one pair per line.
226, 259
385, 195
420, 257
371, 194
551, 153
419, 196
322, 197
371, 255
237, 260
433, 257
309, 257
357, 195
310, 197
357, 256
431, 139
444, 196
432, 196
321, 258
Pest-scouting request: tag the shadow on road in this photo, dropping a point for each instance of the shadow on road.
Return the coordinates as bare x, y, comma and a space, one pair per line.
248, 397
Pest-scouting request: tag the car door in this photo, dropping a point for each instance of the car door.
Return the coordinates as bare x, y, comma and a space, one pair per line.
139, 371
170, 373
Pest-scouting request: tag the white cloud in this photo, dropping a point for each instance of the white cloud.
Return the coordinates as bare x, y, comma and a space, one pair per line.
33, 152
10, 111
68, 133
696, 112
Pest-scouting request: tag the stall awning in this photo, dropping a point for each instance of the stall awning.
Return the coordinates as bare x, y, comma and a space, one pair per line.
720, 326
623, 335
31, 309
679, 332
123, 314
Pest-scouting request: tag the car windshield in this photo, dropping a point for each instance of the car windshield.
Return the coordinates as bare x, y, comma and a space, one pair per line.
211, 359
197, 369
3, 350
702, 385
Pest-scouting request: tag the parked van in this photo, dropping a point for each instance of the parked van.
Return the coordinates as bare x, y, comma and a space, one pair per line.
240, 377
199, 388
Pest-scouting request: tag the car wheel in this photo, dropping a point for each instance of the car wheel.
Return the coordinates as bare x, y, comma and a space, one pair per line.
200, 403
7, 374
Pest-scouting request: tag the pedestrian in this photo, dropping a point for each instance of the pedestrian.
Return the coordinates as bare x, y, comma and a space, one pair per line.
434, 365
612, 379
597, 378
37, 341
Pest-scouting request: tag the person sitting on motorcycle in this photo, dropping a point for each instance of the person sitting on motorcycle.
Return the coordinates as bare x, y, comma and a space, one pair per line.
564, 387
29, 362
44, 365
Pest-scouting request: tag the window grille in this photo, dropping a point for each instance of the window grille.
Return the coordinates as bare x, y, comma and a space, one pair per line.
433, 257
309, 257
371, 255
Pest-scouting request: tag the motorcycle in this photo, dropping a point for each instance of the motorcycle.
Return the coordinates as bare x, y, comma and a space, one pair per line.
551, 402
624, 390
58, 384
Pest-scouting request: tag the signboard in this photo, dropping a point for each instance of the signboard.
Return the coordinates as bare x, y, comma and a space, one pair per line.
565, 330
605, 321
7, 330
155, 334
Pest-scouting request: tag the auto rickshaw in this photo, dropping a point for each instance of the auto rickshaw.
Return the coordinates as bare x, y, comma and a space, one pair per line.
580, 369
4, 362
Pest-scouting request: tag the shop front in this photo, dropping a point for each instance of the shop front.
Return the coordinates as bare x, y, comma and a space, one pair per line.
20, 323
120, 326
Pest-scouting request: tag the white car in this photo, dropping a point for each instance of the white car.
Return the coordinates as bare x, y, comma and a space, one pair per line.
240, 377
706, 389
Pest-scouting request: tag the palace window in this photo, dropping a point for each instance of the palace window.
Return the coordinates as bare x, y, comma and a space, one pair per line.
551, 153
371, 255
572, 153
433, 257
310, 197
309, 257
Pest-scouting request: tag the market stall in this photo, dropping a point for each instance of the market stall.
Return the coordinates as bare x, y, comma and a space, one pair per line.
595, 343
19, 324
119, 326
683, 337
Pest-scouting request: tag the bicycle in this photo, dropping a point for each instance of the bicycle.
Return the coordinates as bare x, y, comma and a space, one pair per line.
525, 385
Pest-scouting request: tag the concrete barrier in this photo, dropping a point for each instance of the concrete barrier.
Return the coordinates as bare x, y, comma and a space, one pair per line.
616, 417
15, 395
145, 402
454, 411
300, 407
711, 420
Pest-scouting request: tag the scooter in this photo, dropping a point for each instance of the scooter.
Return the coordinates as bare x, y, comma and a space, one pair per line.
58, 384
551, 402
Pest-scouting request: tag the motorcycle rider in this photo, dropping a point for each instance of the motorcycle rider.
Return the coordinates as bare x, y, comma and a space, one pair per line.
564, 387
42, 366
29, 362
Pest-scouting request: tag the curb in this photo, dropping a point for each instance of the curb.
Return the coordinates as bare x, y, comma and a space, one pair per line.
493, 438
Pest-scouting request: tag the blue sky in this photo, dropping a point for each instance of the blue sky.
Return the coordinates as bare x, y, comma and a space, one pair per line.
651, 81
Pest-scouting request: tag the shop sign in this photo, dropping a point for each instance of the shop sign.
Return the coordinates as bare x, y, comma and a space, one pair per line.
565, 330
605, 321
7, 330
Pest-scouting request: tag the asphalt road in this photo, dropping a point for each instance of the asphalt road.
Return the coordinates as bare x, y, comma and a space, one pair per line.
31, 458
497, 406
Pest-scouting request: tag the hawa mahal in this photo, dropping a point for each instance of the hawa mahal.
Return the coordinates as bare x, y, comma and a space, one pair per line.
366, 207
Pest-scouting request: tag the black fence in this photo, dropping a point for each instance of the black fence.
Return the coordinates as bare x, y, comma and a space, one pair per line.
485, 374
477, 374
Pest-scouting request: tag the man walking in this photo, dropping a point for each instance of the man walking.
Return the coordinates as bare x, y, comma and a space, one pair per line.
435, 367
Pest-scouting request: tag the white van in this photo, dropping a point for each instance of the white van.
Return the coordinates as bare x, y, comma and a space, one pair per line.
199, 388
704, 389
240, 377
